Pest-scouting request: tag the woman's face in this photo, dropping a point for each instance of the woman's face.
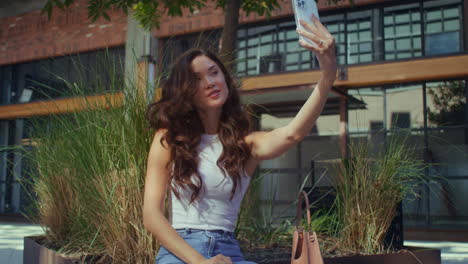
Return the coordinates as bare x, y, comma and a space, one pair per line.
212, 91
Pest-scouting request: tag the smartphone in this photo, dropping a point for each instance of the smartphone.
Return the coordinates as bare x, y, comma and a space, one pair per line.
303, 10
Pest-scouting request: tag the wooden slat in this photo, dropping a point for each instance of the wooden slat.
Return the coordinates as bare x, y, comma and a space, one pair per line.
374, 74
60, 106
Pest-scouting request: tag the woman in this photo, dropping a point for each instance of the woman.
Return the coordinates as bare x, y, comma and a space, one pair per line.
204, 153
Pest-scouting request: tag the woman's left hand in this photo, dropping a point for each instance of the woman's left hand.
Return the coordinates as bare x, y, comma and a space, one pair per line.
325, 50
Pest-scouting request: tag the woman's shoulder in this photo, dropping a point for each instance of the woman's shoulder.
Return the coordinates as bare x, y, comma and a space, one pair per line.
160, 133
160, 137
160, 151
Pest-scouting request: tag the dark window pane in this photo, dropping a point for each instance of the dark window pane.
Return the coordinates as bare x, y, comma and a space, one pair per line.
446, 103
401, 120
442, 43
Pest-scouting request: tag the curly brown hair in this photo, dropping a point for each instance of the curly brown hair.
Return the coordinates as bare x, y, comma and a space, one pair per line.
176, 113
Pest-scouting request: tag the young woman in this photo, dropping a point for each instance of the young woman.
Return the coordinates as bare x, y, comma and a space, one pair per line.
204, 153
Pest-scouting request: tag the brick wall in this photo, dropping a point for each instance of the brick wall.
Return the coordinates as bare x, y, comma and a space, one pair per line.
32, 36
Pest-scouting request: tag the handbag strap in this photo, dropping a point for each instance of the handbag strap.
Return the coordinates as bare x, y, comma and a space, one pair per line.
302, 197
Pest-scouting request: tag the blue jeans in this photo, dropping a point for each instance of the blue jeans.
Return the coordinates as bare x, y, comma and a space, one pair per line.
209, 243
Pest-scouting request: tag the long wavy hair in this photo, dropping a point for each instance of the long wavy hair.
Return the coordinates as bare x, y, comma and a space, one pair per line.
175, 112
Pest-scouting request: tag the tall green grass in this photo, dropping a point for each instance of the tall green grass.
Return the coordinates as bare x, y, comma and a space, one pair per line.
262, 224
88, 176
369, 188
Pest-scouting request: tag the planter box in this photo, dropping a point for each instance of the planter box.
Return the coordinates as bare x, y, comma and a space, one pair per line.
35, 253
414, 256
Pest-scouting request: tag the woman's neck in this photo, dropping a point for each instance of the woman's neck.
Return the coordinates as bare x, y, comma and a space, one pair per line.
210, 120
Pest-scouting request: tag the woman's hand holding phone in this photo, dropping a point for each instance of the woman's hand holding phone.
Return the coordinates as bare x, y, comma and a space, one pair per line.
325, 46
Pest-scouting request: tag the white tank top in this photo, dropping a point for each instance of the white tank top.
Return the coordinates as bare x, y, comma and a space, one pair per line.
213, 208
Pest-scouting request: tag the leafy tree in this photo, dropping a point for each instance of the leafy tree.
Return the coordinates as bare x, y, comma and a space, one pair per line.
149, 12
449, 101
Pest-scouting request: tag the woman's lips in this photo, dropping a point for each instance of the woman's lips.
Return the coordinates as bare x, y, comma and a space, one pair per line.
214, 94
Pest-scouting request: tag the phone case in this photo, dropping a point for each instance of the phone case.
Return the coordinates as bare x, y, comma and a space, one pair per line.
303, 9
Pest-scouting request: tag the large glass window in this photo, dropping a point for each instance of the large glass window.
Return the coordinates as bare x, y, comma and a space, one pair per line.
93, 72
175, 46
404, 106
369, 118
442, 27
391, 32
16, 181
295, 57
336, 26
402, 32
439, 134
359, 37
447, 152
13, 196
271, 48
6, 76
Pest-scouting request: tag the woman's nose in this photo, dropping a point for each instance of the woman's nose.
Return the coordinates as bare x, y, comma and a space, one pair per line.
209, 82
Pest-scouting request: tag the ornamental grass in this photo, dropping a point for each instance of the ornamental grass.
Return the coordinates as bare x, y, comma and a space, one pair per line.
89, 171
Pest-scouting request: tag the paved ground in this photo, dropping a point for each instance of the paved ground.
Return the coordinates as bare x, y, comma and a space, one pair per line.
11, 245
11, 241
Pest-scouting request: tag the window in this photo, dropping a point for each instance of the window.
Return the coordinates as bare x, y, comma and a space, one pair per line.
359, 37
446, 104
271, 48
371, 101
376, 126
401, 120
175, 46
442, 27
336, 26
92, 72
6, 76
402, 32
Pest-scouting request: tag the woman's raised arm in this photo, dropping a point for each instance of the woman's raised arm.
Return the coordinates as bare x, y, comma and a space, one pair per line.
269, 145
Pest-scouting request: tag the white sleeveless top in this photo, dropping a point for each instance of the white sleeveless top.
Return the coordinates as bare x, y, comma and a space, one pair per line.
213, 208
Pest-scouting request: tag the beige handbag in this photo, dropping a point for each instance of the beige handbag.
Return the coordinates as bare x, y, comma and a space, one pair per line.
305, 248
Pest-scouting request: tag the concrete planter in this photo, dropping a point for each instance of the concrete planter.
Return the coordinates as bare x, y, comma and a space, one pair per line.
35, 253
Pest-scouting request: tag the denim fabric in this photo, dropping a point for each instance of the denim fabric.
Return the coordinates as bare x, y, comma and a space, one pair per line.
209, 243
